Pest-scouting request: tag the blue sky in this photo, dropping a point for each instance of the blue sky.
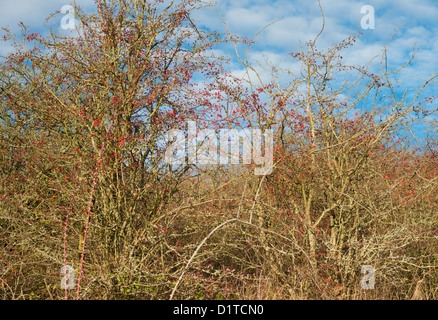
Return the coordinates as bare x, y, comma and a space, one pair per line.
298, 21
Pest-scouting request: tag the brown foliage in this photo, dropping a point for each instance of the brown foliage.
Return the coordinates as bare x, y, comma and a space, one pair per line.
83, 180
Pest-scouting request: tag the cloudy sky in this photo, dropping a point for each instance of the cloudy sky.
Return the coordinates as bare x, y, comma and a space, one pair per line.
296, 21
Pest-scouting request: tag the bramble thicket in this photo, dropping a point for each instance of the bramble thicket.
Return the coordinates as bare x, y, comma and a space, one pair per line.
83, 181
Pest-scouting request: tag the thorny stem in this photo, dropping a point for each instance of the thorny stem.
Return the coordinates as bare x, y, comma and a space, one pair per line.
90, 203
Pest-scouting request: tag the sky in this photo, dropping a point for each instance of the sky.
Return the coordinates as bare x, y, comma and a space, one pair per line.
291, 22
